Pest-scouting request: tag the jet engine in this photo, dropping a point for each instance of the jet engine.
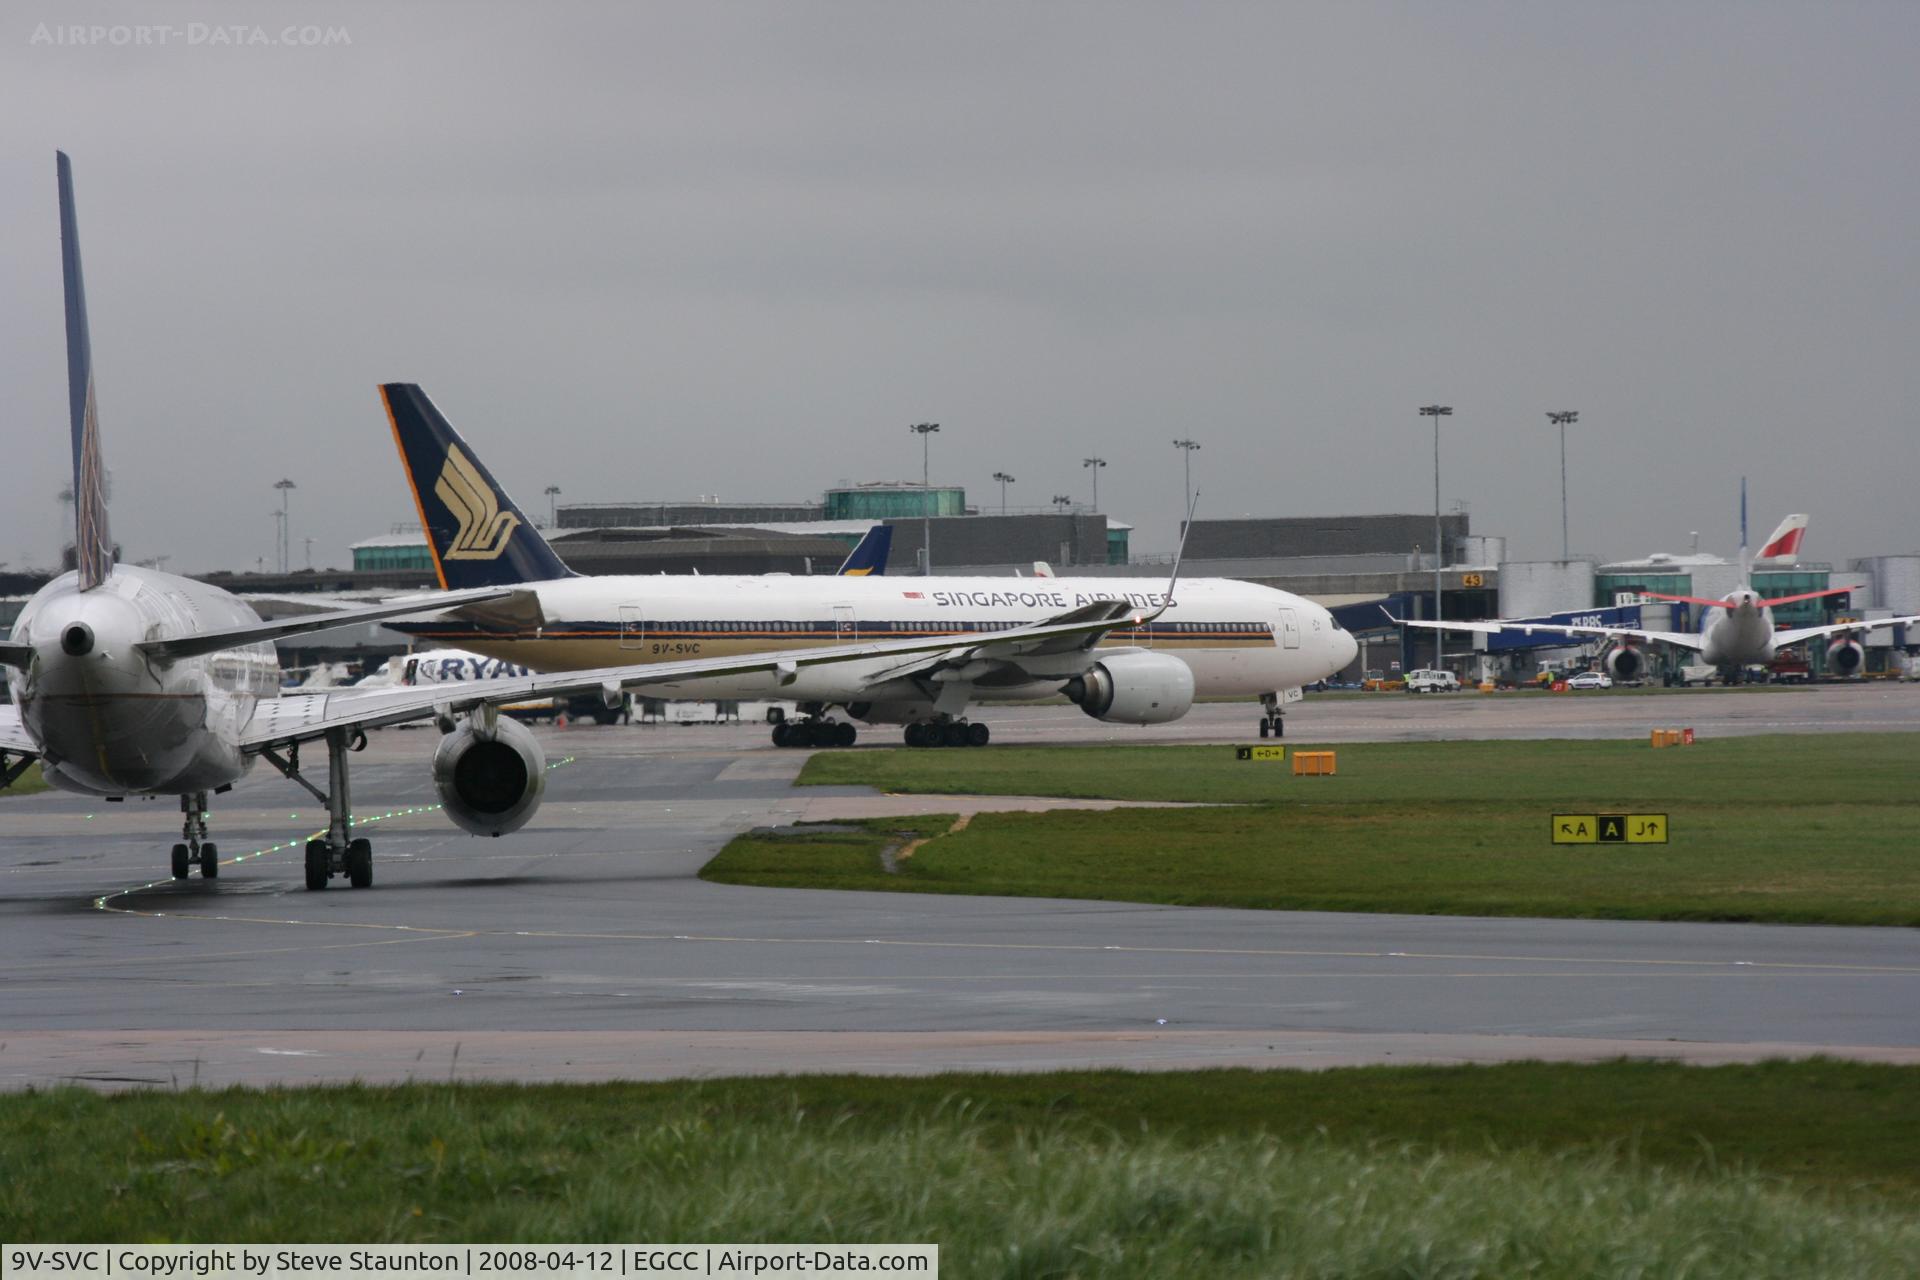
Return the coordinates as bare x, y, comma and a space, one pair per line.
1845, 657
1624, 662
490, 776
1134, 688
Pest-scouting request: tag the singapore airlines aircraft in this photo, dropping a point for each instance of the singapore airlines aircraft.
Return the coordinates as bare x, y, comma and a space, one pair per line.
1221, 639
1736, 631
129, 681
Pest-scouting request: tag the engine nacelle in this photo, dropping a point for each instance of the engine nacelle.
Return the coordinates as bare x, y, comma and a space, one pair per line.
1624, 662
491, 780
1134, 688
1845, 657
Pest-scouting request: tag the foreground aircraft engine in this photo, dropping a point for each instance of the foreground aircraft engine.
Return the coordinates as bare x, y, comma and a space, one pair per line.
490, 778
1134, 688
1625, 663
1845, 657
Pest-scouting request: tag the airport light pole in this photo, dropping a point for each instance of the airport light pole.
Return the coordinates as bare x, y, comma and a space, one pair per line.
1004, 480
284, 486
1562, 420
1095, 464
924, 430
553, 506
1062, 501
1437, 412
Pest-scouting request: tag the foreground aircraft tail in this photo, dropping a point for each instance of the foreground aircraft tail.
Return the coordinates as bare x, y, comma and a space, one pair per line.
92, 542
478, 537
869, 557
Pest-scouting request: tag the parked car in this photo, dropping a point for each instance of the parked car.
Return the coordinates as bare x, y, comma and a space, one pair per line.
1590, 680
1432, 681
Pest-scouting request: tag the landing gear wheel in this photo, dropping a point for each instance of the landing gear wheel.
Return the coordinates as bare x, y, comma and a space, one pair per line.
914, 735
844, 734
318, 872
182, 863
780, 734
1279, 728
360, 864
1265, 727
209, 861
953, 734
977, 735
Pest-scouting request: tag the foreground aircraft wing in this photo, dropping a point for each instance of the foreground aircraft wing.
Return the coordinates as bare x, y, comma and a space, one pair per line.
190, 646
13, 734
1797, 634
1680, 639
295, 717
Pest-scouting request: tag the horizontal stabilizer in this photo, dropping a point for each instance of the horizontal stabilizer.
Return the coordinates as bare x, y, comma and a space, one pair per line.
1806, 595
16, 655
204, 642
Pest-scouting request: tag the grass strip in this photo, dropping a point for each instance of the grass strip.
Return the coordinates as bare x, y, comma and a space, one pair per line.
1779, 829
1779, 770
1550, 1169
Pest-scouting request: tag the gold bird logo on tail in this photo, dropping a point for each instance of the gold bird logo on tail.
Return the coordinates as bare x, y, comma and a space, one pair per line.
484, 528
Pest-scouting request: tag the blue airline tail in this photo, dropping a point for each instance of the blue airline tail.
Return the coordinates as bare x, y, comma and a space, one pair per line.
869, 557
478, 537
92, 541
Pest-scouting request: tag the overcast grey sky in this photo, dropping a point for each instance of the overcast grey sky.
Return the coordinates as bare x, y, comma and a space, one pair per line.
660, 250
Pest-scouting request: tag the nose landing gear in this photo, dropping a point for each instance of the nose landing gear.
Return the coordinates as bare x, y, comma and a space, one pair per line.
194, 848
1273, 722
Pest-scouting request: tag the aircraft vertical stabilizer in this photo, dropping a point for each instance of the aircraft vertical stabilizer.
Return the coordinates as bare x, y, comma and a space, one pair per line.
478, 537
92, 541
869, 558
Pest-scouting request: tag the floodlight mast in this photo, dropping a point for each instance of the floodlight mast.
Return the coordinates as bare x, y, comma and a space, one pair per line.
924, 430
1437, 412
1563, 419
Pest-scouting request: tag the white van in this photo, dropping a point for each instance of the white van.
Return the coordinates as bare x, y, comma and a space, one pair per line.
1432, 681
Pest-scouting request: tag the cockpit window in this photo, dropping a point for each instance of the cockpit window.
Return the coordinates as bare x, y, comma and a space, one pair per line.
1336, 623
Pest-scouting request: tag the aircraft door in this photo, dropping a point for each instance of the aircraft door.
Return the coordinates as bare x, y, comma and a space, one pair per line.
844, 629
1290, 628
632, 630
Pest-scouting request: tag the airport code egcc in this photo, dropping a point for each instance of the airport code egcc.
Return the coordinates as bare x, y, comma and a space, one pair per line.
545, 1262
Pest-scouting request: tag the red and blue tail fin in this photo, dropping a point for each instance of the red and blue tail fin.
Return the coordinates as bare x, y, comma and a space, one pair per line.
92, 540
478, 537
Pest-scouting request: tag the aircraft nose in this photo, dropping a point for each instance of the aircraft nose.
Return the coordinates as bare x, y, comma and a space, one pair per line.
1345, 647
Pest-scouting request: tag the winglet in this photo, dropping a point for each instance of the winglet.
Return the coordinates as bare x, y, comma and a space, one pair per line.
92, 541
477, 536
1179, 552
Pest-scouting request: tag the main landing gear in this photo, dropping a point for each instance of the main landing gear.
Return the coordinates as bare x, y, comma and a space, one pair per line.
338, 852
1273, 722
814, 732
194, 848
947, 733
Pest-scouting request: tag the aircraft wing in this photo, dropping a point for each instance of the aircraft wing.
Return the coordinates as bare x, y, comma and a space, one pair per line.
1797, 634
295, 717
199, 642
1680, 639
13, 734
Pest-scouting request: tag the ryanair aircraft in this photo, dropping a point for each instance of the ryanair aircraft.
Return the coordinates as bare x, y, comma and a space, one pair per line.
1220, 638
132, 682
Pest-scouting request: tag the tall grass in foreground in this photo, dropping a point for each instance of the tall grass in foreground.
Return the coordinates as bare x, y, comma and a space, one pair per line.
1042, 1201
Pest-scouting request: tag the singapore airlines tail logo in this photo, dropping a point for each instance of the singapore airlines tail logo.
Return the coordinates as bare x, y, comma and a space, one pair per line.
484, 528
